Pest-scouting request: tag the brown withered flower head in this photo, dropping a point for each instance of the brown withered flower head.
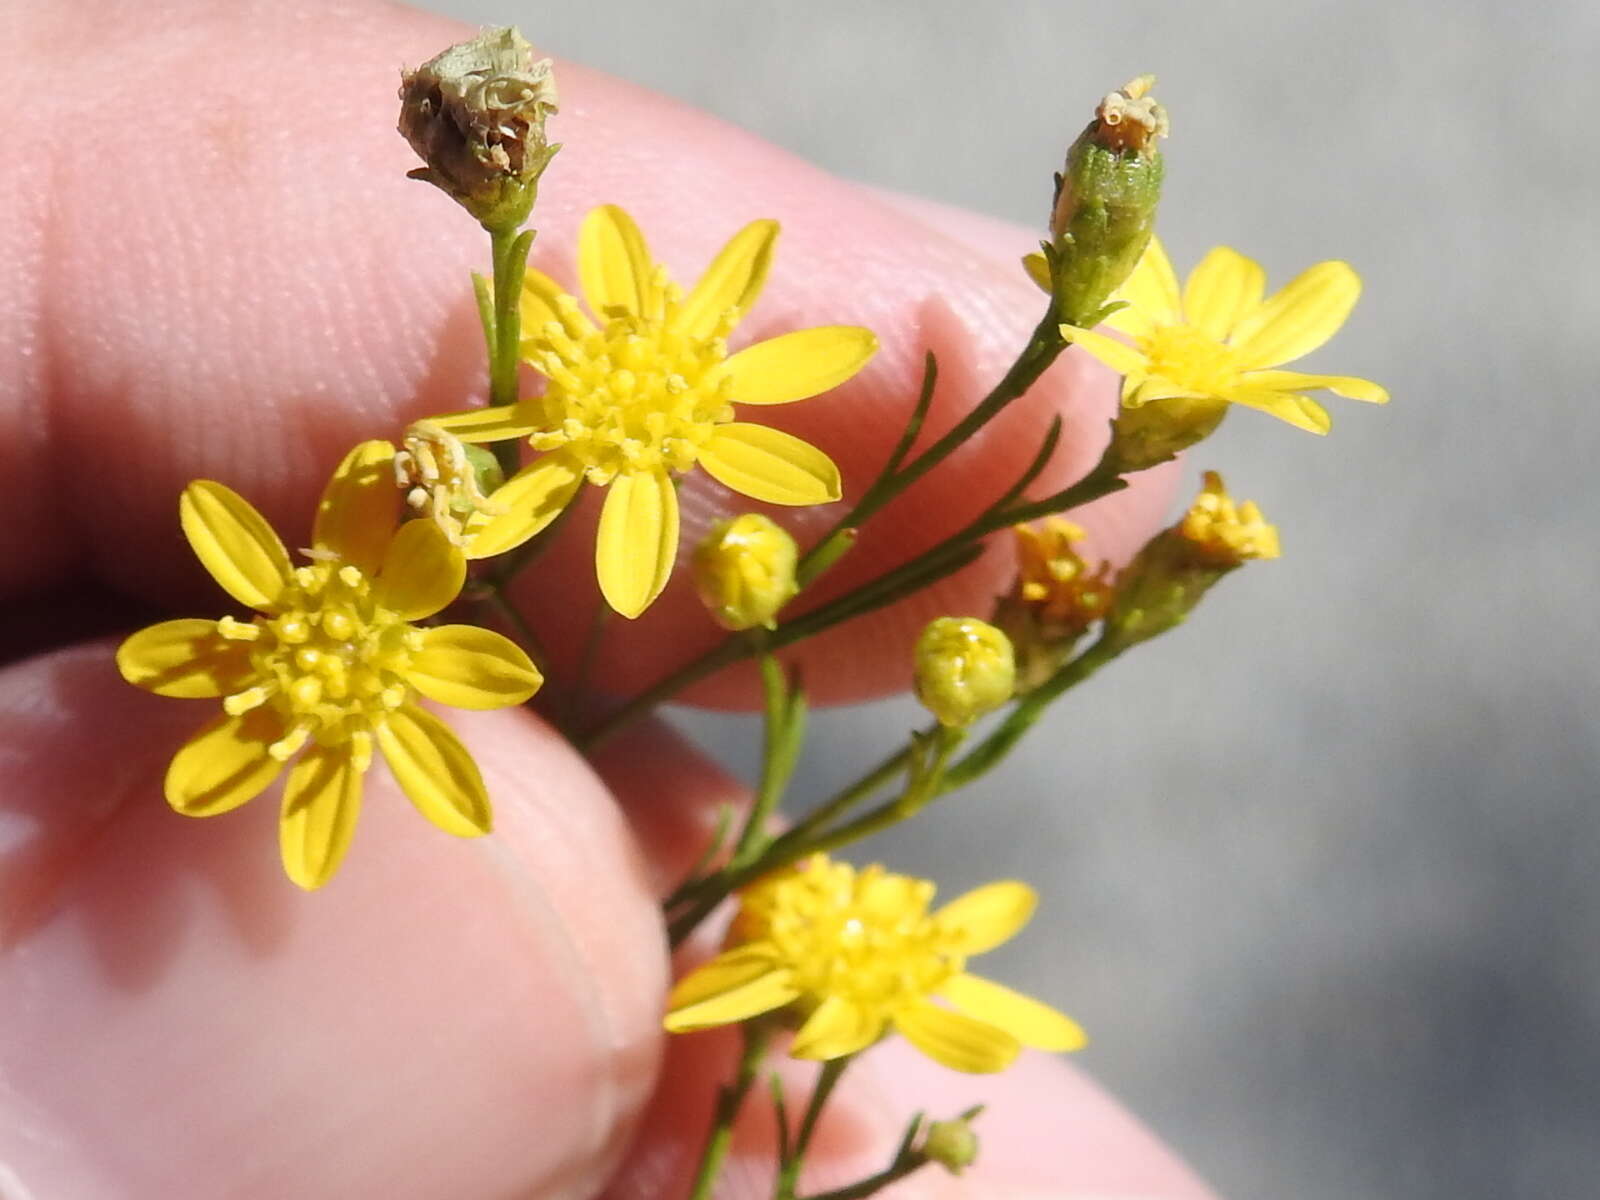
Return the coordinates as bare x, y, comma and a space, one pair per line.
476, 114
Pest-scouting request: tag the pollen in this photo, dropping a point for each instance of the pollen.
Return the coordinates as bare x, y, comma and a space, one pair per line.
331, 660
635, 395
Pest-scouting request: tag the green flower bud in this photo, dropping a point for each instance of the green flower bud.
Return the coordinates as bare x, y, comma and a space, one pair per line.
475, 115
951, 1144
1105, 202
744, 570
964, 668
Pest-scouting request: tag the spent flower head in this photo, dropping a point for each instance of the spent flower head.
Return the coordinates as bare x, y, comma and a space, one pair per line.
855, 955
1177, 567
744, 570
1055, 599
475, 114
1220, 340
645, 392
329, 668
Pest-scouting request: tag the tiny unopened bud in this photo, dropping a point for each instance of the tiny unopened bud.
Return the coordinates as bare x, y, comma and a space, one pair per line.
951, 1144
1105, 201
964, 668
744, 570
1177, 567
475, 114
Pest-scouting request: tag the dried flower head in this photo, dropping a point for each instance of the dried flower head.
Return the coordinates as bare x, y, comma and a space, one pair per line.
475, 114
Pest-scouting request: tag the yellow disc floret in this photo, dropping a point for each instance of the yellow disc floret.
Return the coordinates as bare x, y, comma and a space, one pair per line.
332, 661
634, 395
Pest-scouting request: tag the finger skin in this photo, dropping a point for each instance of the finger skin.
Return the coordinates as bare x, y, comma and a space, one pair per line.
243, 283
1046, 1133
446, 1017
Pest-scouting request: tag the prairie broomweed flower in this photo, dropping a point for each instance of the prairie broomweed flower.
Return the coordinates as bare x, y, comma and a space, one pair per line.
329, 668
1219, 342
858, 955
647, 393
1225, 533
1053, 580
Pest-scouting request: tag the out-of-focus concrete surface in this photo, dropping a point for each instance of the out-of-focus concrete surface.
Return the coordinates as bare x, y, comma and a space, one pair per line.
1321, 871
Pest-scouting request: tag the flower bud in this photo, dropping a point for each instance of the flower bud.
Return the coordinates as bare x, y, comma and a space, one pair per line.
1105, 201
744, 570
964, 668
1171, 575
475, 114
951, 1144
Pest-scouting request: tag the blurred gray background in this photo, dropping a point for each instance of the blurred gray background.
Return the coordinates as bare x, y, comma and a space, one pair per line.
1324, 879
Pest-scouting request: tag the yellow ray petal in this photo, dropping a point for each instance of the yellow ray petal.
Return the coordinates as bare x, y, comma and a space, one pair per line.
766, 464
421, 573
637, 542
481, 425
225, 764
1038, 269
1222, 290
796, 365
1134, 322
1300, 411
985, 917
187, 658
529, 501
614, 265
733, 280
1119, 356
1030, 1022
730, 988
1297, 319
435, 771
359, 508
541, 304
234, 542
469, 667
1153, 288
838, 1027
959, 1042
1347, 386
321, 800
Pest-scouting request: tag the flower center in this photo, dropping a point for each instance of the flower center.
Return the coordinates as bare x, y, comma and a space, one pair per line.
331, 660
865, 937
1190, 359
636, 395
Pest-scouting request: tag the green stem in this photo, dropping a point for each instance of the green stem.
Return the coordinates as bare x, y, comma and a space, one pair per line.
730, 1099
508, 251
508, 612
776, 756
789, 1171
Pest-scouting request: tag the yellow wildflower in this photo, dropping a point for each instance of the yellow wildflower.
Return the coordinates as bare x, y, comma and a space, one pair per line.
647, 394
1214, 344
1224, 533
858, 954
1054, 581
329, 667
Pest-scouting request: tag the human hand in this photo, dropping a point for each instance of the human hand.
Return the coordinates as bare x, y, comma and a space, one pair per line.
217, 269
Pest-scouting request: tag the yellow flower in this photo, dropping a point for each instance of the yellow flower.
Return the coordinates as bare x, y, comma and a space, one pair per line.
1214, 344
859, 955
1054, 581
648, 393
329, 668
1224, 533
